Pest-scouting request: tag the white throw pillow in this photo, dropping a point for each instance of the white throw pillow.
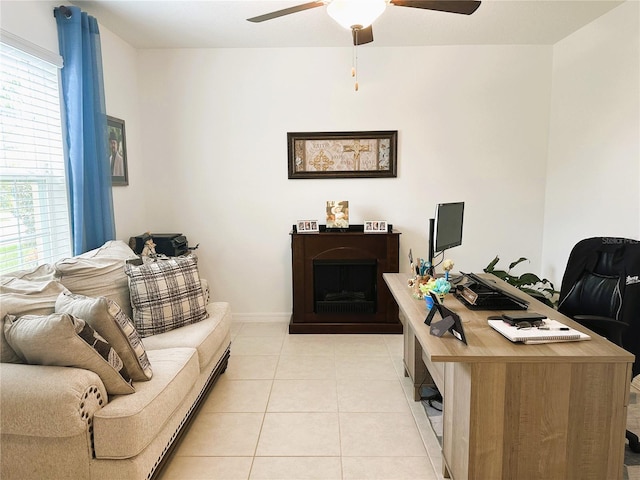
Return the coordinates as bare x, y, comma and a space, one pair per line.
20, 296
99, 273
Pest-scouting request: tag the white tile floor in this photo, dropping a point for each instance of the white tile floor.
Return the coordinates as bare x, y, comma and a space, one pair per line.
309, 407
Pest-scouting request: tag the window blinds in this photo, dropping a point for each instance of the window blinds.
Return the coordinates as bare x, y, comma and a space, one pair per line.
34, 210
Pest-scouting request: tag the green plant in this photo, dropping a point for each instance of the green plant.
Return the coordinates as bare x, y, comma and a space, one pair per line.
530, 283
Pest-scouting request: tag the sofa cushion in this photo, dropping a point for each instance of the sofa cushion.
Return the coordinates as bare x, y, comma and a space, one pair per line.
205, 336
22, 296
166, 294
41, 273
108, 319
61, 339
99, 272
127, 424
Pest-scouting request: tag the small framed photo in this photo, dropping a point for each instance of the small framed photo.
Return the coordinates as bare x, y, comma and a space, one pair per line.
117, 152
375, 226
307, 226
338, 214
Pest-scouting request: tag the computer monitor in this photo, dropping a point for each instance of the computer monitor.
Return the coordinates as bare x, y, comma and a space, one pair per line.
445, 230
448, 226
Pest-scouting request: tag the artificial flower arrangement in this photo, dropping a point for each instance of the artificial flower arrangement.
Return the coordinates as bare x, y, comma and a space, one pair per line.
417, 284
439, 286
423, 284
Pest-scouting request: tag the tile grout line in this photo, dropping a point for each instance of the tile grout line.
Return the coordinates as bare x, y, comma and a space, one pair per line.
335, 379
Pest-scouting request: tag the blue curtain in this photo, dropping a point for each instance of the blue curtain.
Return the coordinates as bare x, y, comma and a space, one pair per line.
89, 176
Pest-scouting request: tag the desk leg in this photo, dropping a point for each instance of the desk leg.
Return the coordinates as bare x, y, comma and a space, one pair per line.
413, 365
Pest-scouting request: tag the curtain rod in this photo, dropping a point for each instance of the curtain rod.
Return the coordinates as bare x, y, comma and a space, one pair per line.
66, 11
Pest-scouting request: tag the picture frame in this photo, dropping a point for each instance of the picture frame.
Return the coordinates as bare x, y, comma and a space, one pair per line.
375, 226
337, 214
450, 321
117, 151
307, 226
368, 154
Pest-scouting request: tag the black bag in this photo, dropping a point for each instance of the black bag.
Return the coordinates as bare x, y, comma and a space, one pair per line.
169, 244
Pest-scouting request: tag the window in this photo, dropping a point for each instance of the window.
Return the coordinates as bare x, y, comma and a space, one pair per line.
34, 210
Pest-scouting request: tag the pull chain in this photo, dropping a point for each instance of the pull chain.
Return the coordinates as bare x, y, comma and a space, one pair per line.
354, 68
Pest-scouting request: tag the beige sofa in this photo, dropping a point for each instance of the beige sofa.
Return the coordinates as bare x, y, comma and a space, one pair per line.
59, 422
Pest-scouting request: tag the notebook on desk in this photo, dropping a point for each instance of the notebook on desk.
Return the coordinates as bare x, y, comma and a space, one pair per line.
557, 332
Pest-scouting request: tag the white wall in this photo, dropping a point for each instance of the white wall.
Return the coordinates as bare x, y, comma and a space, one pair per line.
594, 148
472, 125
32, 21
121, 87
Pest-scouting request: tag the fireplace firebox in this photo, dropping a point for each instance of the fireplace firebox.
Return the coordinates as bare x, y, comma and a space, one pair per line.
337, 281
344, 286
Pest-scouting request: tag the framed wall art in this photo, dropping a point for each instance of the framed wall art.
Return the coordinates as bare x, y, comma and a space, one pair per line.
117, 151
342, 154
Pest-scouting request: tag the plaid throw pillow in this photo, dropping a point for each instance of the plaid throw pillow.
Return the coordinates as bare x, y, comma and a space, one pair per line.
166, 294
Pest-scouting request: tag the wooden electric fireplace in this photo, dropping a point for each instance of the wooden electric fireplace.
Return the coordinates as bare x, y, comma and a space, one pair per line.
337, 281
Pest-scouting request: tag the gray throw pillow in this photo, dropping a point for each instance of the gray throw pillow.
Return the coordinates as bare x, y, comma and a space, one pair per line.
107, 318
63, 340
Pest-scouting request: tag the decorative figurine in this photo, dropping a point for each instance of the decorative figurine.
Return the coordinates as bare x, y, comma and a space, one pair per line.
149, 251
447, 266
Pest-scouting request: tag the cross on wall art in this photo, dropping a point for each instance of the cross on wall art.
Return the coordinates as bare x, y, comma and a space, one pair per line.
342, 154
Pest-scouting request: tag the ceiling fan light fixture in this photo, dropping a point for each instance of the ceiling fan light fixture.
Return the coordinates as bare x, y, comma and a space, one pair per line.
362, 13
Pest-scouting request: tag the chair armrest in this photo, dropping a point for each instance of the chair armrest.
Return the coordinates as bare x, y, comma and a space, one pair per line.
608, 327
48, 401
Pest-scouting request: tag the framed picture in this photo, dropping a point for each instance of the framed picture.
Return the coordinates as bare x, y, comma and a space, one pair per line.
117, 151
375, 226
307, 226
342, 154
338, 214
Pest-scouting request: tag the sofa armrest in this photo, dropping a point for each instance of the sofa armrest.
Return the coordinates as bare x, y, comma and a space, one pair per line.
48, 401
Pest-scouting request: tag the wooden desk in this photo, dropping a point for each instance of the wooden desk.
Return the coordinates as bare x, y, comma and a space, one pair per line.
515, 411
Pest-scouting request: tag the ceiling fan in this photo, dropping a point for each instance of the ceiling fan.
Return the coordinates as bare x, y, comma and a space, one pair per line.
358, 15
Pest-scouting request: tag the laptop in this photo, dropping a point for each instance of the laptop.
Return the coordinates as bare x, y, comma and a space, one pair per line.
481, 294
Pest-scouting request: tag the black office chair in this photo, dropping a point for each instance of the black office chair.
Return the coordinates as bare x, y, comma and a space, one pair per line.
601, 290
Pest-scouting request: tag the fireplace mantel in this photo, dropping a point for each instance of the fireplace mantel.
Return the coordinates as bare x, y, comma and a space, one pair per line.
344, 248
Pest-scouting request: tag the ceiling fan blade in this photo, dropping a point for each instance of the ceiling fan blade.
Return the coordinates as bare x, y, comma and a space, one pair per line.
466, 7
364, 35
285, 11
